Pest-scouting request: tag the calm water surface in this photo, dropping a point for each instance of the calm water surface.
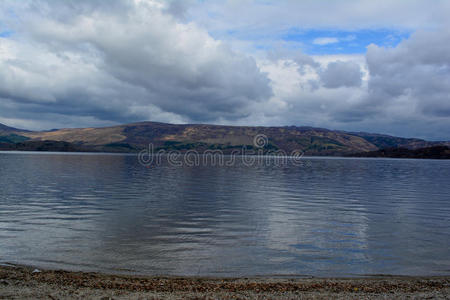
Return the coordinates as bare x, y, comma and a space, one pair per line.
329, 217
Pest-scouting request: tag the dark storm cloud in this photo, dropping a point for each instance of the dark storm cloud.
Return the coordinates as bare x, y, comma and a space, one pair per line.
178, 8
125, 62
418, 69
402, 90
340, 73
88, 63
408, 88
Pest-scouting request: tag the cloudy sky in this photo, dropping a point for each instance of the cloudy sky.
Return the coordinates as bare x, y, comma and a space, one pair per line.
378, 66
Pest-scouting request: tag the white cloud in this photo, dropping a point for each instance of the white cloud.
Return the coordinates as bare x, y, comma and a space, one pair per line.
88, 63
269, 17
126, 64
325, 40
402, 91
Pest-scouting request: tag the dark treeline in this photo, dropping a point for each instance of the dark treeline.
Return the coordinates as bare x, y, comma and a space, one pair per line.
435, 152
56, 146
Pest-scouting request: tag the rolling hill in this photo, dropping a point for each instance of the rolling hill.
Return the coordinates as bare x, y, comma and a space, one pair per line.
137, 136
6, 129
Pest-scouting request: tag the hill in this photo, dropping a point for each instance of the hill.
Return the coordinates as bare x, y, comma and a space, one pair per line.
137, 136
383, 141
6, 129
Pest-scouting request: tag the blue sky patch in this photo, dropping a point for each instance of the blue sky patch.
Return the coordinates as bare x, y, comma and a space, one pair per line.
318, 42
343, 42
5, 34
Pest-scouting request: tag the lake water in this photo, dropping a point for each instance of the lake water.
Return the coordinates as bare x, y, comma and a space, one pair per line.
327, 217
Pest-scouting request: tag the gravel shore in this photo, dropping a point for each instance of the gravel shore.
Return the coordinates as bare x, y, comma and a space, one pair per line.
22, 283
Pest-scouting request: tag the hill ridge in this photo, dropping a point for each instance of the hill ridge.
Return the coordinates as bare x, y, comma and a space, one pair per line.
135, 136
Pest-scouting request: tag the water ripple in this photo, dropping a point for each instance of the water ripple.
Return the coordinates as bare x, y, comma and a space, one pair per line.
331, 217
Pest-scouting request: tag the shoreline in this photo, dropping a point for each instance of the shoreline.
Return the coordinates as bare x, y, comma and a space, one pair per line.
100, 153
20, 282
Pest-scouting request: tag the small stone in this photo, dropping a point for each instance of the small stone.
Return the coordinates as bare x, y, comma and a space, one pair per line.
36, 271
4, 282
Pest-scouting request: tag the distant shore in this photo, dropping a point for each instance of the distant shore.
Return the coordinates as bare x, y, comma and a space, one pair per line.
223, 139
436, 152
19, 282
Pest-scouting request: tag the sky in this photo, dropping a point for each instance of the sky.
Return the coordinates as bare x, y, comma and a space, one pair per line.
376, 66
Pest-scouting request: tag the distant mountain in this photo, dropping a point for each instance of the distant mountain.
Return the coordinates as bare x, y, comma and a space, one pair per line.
137, 136
6, 129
